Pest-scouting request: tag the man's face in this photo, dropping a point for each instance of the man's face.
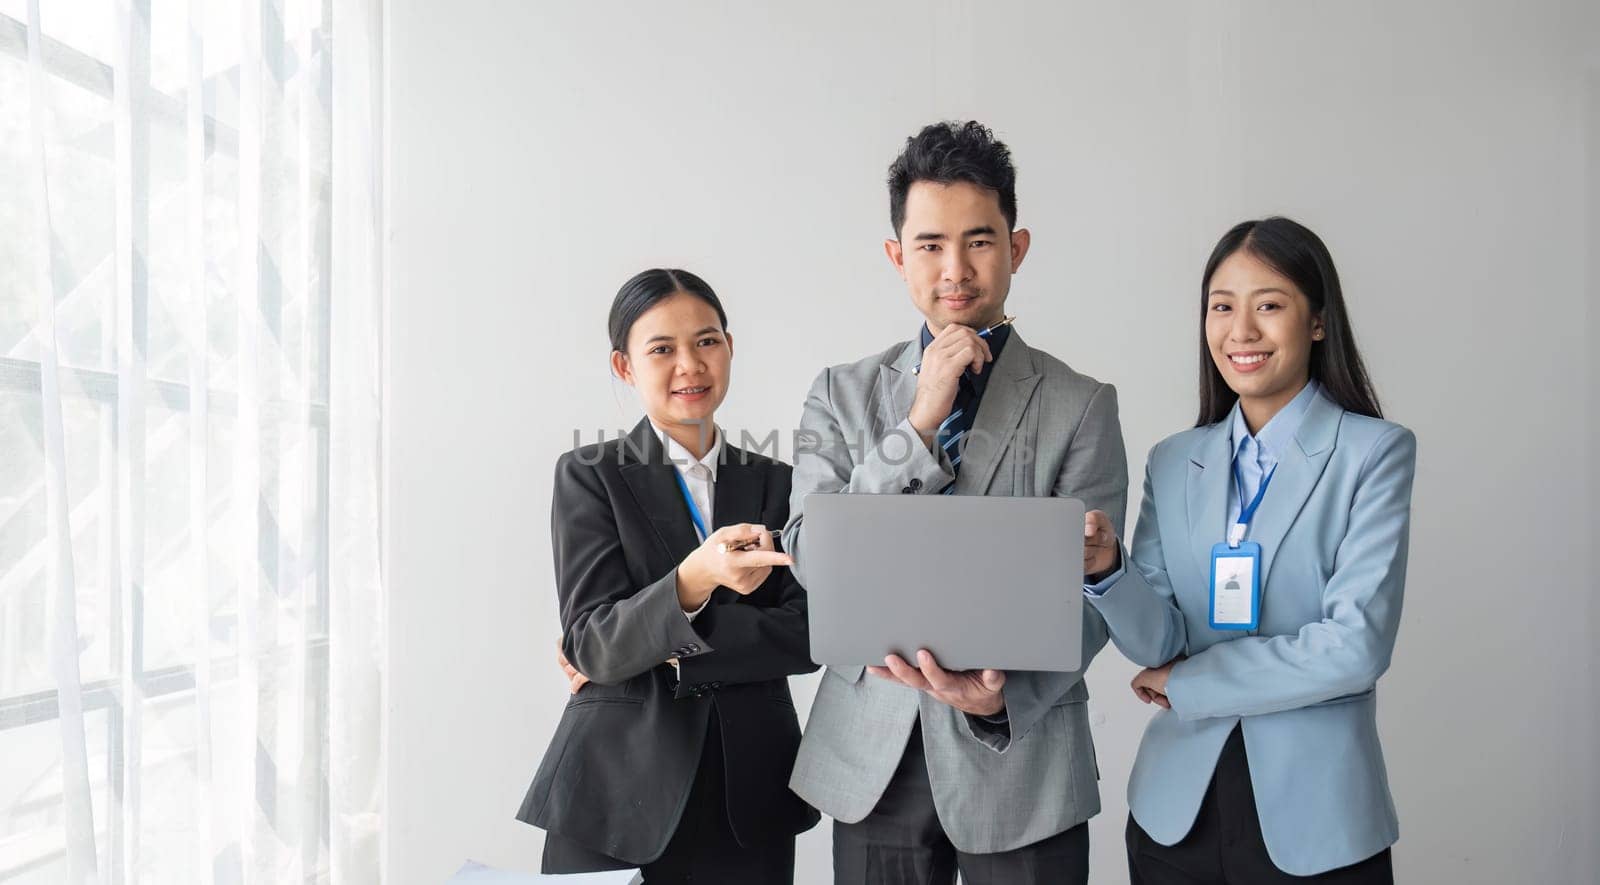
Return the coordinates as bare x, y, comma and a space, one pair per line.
955, 254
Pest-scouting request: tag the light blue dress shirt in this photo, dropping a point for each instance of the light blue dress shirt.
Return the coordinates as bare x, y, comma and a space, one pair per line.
1254, 457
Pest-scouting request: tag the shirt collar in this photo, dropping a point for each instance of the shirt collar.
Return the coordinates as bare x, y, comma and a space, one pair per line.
1283, 426
997, 338
683, 459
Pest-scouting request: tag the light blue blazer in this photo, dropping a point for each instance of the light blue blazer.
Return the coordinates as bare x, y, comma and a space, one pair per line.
1333, 528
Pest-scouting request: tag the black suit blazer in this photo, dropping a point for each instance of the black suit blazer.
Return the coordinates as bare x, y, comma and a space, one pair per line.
619, 769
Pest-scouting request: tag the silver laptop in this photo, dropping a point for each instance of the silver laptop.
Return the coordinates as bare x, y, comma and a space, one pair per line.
978, 581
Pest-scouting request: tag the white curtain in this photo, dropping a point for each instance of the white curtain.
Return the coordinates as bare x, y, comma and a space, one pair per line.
191, 447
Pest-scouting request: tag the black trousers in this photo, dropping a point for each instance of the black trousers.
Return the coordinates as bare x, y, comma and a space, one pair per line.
902, 843
1226, 846
703, 849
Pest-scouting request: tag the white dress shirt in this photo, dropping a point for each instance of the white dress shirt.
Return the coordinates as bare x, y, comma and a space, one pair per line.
699, 476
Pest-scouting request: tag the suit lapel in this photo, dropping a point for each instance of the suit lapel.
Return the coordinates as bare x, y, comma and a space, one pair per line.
897, 386
1005, 398
654, 485
1009, 388
740, 488
1210, 471
1298, 470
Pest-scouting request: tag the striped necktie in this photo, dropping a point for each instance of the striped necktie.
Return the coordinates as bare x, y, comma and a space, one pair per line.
952, 432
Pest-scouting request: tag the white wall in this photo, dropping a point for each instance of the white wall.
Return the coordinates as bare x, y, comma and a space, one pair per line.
543, 153
1592, 407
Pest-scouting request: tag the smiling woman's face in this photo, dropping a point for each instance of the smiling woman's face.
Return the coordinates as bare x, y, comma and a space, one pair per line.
1260, 329
678, 359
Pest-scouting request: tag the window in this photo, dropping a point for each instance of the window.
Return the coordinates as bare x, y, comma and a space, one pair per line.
170, 664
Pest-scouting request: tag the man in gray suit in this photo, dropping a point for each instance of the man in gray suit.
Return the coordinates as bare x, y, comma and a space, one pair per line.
926, 770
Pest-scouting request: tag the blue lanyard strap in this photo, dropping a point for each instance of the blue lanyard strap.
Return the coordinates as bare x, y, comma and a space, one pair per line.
1249, 512
694, 511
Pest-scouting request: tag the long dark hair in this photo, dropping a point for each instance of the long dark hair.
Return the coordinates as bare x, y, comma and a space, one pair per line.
645, 289
1290, 248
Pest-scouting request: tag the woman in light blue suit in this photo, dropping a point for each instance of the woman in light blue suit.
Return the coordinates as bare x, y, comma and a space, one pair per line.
1262, 592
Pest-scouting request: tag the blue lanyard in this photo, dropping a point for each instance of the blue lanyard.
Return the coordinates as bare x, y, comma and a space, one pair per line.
1248, 512
694, 512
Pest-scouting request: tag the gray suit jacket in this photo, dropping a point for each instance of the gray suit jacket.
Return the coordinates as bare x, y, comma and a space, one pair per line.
1041, 429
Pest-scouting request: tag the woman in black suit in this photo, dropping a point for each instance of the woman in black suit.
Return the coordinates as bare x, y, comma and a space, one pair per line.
675, 749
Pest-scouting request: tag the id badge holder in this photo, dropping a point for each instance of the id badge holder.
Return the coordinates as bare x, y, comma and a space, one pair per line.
1235, 586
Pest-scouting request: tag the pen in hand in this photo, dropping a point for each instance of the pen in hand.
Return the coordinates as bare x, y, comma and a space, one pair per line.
982, 333
746, 543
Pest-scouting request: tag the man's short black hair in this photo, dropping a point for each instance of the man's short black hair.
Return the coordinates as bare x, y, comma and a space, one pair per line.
948, 152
